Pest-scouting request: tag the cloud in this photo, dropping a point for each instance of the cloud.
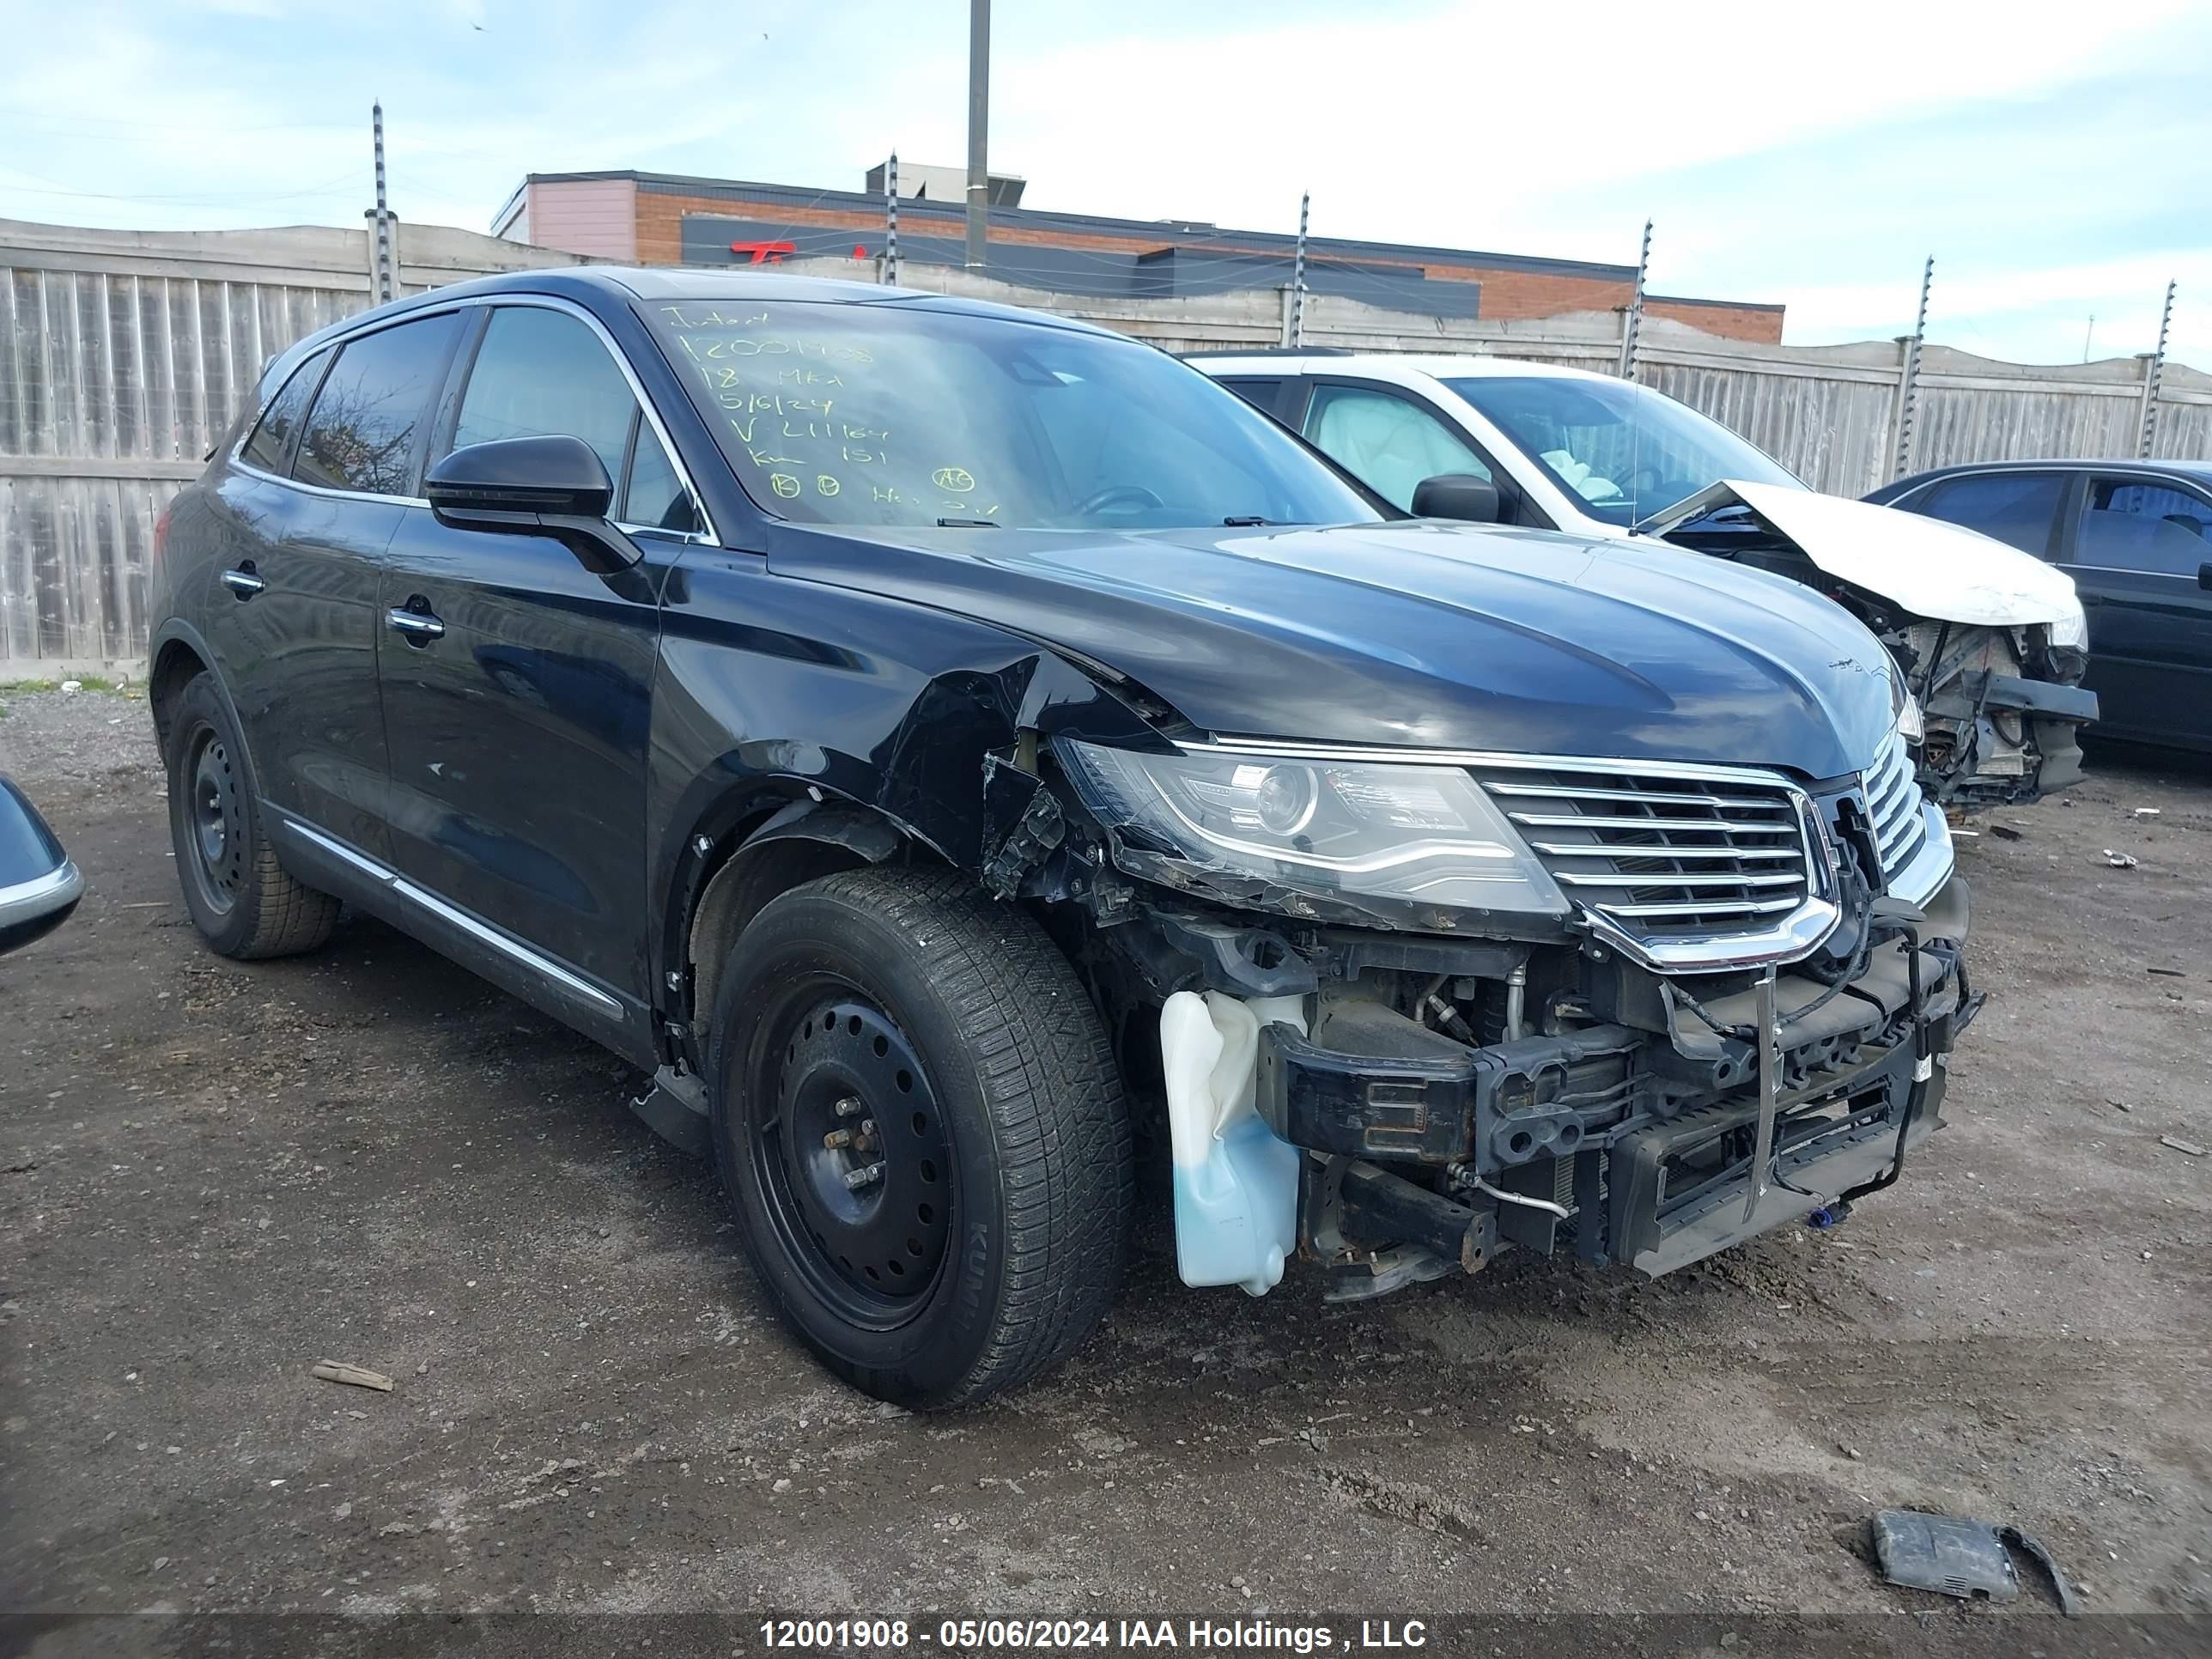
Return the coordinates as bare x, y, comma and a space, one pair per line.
1787, 153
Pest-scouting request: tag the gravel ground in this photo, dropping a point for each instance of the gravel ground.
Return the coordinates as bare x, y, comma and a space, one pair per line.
217, 1174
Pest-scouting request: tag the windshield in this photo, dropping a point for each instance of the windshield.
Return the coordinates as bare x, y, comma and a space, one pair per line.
896, 414
1621, 450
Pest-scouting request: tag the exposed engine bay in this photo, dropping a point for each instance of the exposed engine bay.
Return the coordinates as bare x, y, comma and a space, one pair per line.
1455, 1100
1736, 1009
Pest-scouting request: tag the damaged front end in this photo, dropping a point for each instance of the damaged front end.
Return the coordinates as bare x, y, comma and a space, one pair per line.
1990, 641
2001, 709
1419, 1009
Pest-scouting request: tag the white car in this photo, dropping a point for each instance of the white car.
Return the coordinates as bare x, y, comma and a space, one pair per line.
1992, 640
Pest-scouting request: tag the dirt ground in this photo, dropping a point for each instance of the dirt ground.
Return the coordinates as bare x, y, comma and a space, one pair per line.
217, 1174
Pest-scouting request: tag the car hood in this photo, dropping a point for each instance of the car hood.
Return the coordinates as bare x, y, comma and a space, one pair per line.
1417, 635
1941, 571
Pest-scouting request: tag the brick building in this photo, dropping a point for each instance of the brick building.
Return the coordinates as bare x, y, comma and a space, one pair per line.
656, 218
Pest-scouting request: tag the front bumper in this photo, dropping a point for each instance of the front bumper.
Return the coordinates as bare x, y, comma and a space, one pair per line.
1630, 1145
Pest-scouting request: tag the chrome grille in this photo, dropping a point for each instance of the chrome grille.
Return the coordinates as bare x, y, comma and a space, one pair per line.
1893, 798
1662, 854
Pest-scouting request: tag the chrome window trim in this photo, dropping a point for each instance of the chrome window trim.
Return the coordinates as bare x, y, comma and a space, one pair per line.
240, 463
24, 901
709, 537
423, 898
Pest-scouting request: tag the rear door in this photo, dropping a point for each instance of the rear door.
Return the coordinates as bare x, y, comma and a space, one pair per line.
298, 642
518, 683
2026, 510
2138, 553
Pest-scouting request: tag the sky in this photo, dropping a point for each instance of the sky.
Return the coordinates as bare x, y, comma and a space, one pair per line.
2055, 160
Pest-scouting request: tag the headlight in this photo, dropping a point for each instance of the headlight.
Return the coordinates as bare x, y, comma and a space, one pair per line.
1422, 837
2070, 626
1910, 724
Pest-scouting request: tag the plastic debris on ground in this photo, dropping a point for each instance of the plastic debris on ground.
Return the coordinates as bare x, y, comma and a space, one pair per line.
1962, 1558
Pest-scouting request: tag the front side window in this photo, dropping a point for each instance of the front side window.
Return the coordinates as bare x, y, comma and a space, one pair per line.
272, 442
1387, 443
1621, 451
371, 407
2150, 527
656, 498
541, 372
2016, 508
903, 413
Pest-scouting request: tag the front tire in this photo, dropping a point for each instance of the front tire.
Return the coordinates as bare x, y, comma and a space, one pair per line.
243, 903
917, 1114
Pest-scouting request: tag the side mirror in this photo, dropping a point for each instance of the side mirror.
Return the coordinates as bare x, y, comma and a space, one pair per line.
38, 886
1457, 496
554, 485
2204, 577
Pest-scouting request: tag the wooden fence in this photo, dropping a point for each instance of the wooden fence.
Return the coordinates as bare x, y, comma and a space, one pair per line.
125, 357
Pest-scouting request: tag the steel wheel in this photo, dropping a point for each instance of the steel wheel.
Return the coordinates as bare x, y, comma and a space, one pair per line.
916, 1111
215, 813
853, 1154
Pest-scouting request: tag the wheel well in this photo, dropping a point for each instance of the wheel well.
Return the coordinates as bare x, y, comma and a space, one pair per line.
764, 867
174, 670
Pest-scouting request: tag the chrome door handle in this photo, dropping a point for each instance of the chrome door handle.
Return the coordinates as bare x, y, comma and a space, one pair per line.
418, 627
243, 582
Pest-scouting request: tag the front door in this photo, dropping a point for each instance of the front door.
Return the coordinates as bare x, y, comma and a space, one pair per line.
518, 683
2138, 550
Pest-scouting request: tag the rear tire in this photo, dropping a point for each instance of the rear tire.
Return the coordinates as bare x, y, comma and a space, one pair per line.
969, 1232
242, 901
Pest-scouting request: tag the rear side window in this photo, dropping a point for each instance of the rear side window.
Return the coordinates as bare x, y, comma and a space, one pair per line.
372, 407
1262, 395
2016, 508
541, 372
2150, 527
272, 442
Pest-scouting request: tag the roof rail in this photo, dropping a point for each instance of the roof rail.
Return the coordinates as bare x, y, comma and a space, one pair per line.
1272, 351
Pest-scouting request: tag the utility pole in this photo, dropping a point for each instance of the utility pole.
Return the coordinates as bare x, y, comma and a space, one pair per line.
891, 221
1633, 323
979, 119
384, 284
1908, 388
2088, 335
1298, 276
2156, 373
